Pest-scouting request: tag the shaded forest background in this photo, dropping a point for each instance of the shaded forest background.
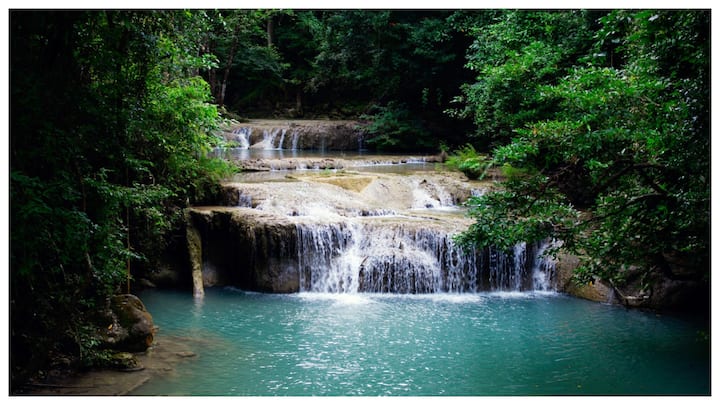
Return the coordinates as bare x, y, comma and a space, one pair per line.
598, 119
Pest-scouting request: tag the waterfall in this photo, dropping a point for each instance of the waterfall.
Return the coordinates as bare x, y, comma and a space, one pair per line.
543, 270
519, 264
243, 137
295, 137
365, 257
282, 139
268, 142
356, 233
317, 248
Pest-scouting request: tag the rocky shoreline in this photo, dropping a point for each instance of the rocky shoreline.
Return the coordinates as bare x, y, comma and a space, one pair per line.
161, 359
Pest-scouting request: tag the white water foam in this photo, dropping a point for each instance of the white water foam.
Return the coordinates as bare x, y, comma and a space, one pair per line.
352, 256
342, 299
242, 136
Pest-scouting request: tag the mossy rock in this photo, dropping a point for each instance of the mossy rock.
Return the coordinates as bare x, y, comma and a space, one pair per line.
132, 329
125, 361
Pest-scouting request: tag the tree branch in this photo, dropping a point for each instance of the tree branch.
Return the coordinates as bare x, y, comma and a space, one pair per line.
629, 203
633, 166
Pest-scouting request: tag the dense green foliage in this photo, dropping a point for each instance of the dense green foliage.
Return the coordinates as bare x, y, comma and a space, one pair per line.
470, 162
618, 169
514, 53
109, 135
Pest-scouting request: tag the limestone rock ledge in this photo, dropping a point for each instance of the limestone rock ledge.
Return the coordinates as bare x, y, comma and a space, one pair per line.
664, 293
234, 238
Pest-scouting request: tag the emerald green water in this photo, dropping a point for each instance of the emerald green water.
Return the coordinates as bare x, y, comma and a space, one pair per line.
424, 345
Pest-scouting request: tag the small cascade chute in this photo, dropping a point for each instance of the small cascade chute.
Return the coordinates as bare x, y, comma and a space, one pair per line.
428, 195
242, 137
543, 270
244, 200
519, 265
268, 141
282, 139
295, 136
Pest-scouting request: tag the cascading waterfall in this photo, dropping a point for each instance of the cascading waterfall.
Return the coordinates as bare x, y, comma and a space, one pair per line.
243, 137
318, 247
381, 233
365, 257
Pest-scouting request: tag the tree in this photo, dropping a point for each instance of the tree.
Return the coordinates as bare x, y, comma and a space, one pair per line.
399, 68
396, 68
233, 41
109, 134
620, 171
513, 53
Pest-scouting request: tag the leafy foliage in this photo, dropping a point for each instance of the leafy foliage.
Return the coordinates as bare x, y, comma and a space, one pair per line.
513, 53
106, 147
469, 161
393, 127
619, 172
599, 120
381, 64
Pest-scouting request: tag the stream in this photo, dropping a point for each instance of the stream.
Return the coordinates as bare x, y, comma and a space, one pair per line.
366, 294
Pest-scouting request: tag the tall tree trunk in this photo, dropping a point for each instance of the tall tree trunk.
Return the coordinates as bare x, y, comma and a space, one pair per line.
209, 47
226, 74
298, 102
270, 31
212, 81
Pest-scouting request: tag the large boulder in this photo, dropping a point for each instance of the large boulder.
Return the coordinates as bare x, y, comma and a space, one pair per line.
595, 291
131, 328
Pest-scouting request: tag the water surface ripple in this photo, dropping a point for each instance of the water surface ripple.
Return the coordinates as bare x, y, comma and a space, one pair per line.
423, 345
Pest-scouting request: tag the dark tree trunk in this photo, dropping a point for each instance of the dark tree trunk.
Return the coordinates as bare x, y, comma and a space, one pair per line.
298, 102
226, 74
270, 31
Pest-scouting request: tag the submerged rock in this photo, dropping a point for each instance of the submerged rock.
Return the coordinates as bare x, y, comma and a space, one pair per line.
126, 362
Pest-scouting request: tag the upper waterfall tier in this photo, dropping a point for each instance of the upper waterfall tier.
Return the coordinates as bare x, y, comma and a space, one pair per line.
296, 134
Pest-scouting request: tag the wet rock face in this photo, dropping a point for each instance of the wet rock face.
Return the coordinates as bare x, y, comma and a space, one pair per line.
125, 361
131, 328
664, 294
255, 252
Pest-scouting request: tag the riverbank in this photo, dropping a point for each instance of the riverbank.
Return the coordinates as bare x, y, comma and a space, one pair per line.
160, 360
